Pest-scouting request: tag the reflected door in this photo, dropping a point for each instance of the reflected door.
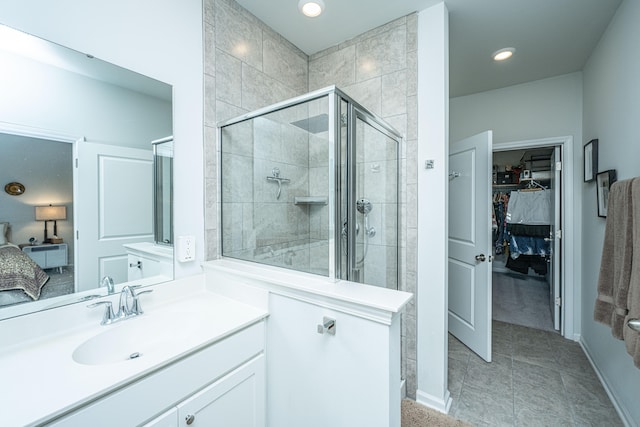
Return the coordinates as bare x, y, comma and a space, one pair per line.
113, 195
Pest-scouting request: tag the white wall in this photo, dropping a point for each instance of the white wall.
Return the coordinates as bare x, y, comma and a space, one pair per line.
541, 109
433, 143
47, 97
161, 39
612, 108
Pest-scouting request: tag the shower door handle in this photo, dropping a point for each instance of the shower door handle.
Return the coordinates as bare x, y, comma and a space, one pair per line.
481, 258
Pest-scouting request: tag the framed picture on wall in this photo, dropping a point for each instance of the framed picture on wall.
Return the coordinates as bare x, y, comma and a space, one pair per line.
590, 160
604, 181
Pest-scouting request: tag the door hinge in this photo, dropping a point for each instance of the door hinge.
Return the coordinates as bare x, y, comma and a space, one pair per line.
558, 166
76, 162
77, 235
558, 234
559, 301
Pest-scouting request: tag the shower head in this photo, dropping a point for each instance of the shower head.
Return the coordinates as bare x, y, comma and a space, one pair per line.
314, 124
364, 206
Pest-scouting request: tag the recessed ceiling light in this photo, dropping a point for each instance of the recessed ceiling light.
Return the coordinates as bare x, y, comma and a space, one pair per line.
311, 8
502, 54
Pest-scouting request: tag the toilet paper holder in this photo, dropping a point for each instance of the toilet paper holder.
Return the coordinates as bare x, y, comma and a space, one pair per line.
328, 326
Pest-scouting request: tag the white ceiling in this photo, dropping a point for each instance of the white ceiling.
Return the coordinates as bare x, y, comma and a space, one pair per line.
551, 37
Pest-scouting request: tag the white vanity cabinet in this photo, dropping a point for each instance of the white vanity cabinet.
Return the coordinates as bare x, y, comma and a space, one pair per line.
237, 399
220, 385
146, 260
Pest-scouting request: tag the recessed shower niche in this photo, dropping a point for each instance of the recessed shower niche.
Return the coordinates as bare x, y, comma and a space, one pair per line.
311, 184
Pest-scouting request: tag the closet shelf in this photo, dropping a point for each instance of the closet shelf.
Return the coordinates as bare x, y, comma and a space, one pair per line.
310, 200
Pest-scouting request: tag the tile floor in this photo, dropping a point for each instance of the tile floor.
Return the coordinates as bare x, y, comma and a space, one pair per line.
537, 378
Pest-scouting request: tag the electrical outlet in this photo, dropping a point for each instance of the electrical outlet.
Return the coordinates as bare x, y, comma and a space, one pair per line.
186, 248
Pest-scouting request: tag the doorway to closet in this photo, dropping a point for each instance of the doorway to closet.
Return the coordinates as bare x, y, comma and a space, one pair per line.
526, 232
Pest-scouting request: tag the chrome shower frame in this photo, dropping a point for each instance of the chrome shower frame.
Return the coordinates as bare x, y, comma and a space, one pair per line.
354, 112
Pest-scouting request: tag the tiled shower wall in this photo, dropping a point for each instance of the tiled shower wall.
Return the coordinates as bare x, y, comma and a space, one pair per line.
248, 66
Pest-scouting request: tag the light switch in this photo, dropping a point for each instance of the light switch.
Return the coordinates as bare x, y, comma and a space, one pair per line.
186, 248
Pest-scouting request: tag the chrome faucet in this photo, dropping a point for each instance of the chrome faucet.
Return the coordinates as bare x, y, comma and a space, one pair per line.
108, 283
128, 306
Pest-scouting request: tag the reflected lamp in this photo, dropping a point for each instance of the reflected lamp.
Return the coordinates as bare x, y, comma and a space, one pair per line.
50, 213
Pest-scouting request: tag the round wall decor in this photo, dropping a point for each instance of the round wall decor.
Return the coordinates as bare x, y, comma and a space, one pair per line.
14, 188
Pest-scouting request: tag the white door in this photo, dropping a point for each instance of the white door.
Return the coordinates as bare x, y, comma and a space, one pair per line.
113, 206
469, 260
554, 264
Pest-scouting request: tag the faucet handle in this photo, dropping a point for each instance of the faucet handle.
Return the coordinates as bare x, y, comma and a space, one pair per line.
135, 304
108, 315
123, 302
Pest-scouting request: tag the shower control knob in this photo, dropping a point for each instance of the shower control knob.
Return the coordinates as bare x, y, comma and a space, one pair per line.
481, 258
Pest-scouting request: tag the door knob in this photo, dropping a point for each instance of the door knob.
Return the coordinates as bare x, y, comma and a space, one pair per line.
634, 324
481, 257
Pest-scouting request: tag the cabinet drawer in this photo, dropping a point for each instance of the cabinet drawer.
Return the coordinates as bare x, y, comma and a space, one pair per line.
57, 258
39, 257
236, 400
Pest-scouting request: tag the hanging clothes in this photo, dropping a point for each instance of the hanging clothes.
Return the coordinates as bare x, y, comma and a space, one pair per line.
528, 220
501, 235
529, 207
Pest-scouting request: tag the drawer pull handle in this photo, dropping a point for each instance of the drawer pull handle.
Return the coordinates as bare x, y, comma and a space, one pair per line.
190, 419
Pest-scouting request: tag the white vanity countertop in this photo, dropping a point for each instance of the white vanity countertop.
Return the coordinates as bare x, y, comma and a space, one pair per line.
149, 248
40, 379
345, 292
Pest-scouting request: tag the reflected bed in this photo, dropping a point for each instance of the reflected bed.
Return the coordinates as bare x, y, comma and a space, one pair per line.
20, 276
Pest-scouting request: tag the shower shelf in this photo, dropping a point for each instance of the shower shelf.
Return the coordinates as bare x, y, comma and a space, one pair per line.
310, 201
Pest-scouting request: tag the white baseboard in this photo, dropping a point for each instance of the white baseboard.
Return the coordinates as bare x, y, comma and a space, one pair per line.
442, 405
622, 412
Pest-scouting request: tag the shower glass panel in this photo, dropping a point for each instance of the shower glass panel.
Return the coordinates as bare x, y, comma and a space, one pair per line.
376, 205
291, 179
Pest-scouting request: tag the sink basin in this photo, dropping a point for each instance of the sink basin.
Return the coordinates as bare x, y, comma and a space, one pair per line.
136, 338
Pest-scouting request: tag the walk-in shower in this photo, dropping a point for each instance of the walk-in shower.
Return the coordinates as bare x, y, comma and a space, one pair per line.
311, 184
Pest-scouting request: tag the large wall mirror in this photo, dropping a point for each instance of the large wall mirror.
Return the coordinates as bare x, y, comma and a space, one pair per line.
83, 186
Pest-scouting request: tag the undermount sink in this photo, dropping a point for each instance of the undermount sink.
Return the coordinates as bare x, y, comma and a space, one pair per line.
137, 337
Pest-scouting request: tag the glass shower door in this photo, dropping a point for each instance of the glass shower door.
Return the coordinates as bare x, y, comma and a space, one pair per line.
374, 204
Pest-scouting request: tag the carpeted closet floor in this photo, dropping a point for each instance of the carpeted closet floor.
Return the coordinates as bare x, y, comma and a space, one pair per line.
522, 300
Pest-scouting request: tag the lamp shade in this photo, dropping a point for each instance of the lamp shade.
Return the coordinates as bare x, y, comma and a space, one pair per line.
50, 213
